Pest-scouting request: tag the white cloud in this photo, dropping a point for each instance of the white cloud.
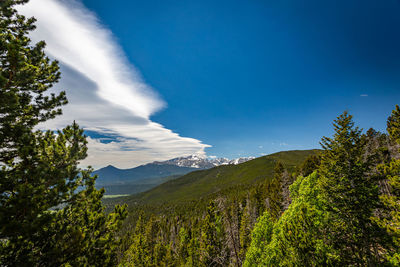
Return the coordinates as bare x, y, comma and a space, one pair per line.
106, 94
364, 95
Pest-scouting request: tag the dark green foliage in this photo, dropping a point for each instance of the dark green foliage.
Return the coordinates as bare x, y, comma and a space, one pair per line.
212, 247
336, 216
343, 213
25, 76
245, 228
343, 209
50, 212
389, 218
310, 165
275, 199
393, 124
212, 231
204, 183
350, 194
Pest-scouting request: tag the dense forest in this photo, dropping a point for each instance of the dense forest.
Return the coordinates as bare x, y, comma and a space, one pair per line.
339, 206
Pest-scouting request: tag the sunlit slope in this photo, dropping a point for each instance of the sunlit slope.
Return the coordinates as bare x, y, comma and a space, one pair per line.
202, 183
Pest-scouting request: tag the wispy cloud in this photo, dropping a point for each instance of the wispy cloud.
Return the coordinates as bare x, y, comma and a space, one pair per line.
106, 93
364, 95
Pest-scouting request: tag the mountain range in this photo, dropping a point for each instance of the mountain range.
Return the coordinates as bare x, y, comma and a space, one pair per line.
204, 183
141, 178
202, 162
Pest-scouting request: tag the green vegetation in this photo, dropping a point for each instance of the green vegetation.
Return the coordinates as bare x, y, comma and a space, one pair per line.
44, 218
339, 206
389, 219
336, 216
335, 207
202, 227
200, 184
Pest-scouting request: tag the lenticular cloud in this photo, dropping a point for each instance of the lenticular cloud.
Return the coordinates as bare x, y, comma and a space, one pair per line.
75, 37
105, 92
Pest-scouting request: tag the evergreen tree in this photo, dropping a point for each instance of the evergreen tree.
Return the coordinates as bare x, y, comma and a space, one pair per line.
350, 193
244, 232
50, 212
261, 237
310, 165
390, 219
295, 239
194, 247
135, 255
160, 252
275, 190
184, 240
212, 238
329, 220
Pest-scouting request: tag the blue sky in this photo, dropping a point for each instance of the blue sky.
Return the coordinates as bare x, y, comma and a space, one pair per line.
255, 77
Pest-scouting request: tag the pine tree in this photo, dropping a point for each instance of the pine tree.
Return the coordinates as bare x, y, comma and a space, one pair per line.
244, 232
183, 245
136, 253
328, 222
261, 237
275, 191
310, 165
390, 219
193, 247
296, 238
50, 212
212, 238
351, 194
160, 252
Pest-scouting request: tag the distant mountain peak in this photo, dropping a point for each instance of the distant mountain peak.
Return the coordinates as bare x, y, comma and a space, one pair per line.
202, 161
110, 167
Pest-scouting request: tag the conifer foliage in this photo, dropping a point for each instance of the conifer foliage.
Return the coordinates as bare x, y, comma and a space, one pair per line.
340, 214
343, 208
389, 220
351, 194
50, 211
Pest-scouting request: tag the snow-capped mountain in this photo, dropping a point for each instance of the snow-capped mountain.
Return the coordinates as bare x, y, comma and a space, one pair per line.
202, 162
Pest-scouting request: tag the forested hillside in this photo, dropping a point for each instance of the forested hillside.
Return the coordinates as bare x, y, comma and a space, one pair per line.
339, 207
181, 208
202, 183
